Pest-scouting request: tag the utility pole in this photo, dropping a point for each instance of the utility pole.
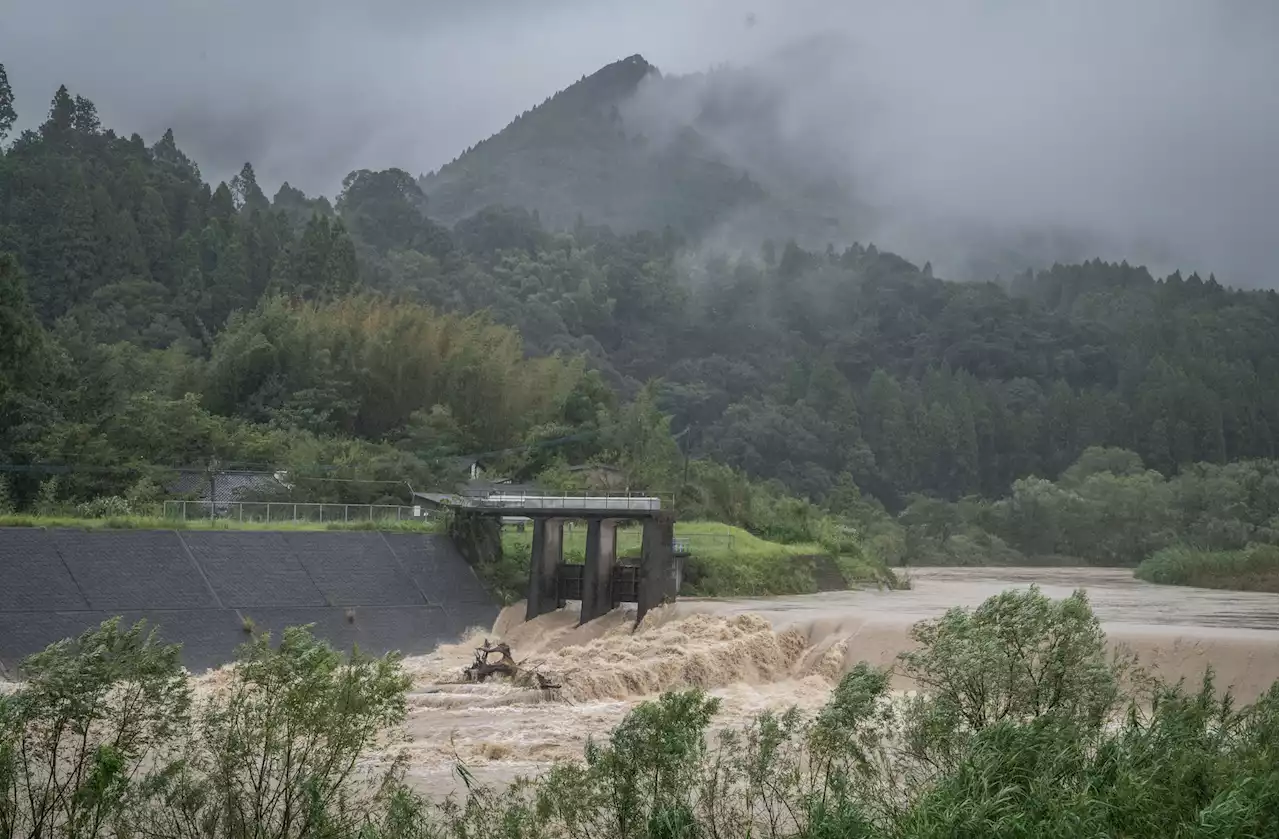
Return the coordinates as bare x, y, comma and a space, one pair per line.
213, 488
685, 480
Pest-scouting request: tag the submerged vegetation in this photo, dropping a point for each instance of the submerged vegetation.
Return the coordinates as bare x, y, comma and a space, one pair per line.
1254, 568
1025, 726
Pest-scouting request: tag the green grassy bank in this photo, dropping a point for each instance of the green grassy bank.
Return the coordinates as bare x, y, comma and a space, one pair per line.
724, 561
161, 523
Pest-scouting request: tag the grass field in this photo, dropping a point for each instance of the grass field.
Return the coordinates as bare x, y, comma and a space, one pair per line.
713, 540
161, 523
724, 561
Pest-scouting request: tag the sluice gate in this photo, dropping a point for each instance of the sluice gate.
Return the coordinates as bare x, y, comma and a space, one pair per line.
601, 582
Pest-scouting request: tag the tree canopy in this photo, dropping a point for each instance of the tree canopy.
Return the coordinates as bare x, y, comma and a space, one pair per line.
256, 330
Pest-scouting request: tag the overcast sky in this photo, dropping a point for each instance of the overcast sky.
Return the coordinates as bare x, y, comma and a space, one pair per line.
1134, 119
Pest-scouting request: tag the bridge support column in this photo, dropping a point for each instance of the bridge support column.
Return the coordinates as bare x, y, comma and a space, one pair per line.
597, 576
659, 579
547, 554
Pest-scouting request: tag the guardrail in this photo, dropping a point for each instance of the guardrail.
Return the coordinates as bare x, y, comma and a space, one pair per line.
630, 501
285, 512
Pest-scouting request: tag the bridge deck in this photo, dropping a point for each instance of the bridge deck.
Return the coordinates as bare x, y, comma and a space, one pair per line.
568, 505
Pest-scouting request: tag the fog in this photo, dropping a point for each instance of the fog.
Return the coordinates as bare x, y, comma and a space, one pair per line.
1145, 129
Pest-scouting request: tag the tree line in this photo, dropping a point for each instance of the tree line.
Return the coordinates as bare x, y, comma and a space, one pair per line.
151, 318
1107, 508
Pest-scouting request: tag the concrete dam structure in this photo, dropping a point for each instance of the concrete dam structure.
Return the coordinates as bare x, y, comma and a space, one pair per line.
204, 589
601, 582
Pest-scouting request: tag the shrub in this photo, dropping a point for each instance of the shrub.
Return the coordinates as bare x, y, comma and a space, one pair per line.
92, 713
102, 739
111, 506
275, 752
47, 500
1255, 568
1019, 656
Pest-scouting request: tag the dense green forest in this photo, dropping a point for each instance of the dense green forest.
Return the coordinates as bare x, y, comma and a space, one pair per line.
1106, 509
150, 319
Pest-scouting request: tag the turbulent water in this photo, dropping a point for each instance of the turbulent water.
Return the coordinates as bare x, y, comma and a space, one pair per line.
756, 653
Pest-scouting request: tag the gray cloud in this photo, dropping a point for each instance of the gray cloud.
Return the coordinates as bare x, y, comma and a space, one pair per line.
1146, 128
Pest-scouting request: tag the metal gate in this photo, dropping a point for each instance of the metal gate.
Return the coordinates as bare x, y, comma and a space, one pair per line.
624, 587
569, 582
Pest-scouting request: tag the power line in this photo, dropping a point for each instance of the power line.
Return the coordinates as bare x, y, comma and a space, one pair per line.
61, 468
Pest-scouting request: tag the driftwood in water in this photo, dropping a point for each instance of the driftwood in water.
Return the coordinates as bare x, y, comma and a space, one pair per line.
482, 668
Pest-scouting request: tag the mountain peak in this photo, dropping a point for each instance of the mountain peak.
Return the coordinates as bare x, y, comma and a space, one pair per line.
577, 154
610, 84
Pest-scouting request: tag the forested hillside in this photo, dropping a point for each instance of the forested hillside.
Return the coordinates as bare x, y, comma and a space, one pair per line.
152, 319
576, 156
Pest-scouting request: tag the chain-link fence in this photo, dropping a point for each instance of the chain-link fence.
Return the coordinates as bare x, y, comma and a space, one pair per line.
286, 512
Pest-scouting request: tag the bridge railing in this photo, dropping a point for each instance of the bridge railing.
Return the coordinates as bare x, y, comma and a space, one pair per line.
285, 512
536, 500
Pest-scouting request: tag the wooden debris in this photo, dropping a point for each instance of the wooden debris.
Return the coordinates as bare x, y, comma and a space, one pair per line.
482, 668
544, 683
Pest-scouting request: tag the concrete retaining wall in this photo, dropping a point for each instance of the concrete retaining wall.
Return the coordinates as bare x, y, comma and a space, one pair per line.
406, 592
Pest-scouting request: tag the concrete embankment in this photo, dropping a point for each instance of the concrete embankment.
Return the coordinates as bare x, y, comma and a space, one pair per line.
205, 589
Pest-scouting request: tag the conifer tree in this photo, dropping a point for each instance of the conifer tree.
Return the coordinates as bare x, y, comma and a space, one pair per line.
7, 113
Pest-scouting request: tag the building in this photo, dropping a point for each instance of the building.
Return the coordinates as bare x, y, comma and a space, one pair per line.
472, 467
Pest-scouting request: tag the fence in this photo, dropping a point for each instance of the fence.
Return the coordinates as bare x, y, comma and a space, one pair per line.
631, 538
284, 512
574, 501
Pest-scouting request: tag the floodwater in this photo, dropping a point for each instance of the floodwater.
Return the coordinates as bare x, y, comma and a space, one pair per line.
757, 653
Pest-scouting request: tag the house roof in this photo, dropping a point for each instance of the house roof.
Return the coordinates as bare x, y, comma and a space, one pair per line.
472, 488
438, 497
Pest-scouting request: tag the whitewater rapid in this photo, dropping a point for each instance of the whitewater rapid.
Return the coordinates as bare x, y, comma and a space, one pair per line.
758, 653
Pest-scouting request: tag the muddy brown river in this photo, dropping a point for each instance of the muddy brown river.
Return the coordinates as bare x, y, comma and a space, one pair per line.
757, 653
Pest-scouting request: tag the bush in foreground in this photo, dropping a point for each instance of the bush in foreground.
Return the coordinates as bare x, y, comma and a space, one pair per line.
1028, 728
106, 737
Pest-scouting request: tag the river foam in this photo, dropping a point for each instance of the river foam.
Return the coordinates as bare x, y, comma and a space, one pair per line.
758, 653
